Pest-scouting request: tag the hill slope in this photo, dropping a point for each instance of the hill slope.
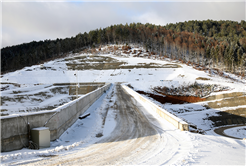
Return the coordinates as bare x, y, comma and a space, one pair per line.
123, 143
220, 44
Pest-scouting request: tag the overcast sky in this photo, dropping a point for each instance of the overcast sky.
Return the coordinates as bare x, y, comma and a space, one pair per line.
27, 21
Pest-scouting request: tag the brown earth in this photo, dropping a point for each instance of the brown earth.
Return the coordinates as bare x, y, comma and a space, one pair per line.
235, 116
164, 98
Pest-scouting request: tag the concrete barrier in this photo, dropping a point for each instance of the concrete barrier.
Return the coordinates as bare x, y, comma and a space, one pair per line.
177, 122
14, 132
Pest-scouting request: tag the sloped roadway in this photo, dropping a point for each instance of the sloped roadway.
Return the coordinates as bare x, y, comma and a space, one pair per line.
138, 138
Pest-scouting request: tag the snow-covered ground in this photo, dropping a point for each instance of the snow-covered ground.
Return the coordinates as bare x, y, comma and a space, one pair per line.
239, 132
80, 135
33, 99
139, 74
195, 149
206, 149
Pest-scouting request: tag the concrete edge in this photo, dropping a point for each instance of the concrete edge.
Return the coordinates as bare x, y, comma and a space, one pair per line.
177, 122
58, 122
58, 109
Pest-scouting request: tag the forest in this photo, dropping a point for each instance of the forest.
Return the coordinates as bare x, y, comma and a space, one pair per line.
213, 44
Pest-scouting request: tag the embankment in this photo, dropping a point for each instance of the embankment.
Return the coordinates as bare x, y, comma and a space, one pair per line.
14, 132
177, 122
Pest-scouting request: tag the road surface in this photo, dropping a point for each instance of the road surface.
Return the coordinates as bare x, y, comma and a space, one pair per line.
138, 138
221, 130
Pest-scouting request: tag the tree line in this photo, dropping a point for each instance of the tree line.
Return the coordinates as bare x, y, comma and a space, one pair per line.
218, 44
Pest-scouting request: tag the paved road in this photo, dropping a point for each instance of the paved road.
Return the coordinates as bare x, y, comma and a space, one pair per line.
221, 130
135, 140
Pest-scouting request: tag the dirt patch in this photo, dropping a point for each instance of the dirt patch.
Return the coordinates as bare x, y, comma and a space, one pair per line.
172, 99
17, 92
172, 66
203, 78
116, 65
60, 90
3, 88
180, 75
94, 66
185, 99
94, 62
230, 102
49, 155
82, 89
226, 95
92, 58
3, 110
191, 90
15, 84
4, 114
45, 95
3, 99
239, 112
47, 68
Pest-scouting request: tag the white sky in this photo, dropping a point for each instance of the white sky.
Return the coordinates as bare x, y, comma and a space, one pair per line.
29, 20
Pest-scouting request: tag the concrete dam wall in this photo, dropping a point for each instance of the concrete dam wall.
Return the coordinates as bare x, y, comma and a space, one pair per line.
14, 132
177, 122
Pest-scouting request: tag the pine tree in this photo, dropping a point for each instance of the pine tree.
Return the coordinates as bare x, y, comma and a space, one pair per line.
240, 58
231, 58
216, 55
243, 60
207, 54
212, 55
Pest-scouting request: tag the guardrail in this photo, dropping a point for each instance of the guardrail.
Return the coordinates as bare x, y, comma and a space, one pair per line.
14, 132
177, 122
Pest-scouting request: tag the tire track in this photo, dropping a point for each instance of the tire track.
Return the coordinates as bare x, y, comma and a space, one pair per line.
135, 140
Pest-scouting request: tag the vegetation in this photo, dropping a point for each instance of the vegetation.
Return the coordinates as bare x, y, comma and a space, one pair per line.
195, 89
217, 44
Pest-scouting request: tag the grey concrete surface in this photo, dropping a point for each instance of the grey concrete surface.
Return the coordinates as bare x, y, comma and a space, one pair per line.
177, 122
14, 133
134, 140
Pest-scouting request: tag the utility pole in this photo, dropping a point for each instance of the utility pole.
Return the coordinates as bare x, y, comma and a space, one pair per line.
76, 75
77, 84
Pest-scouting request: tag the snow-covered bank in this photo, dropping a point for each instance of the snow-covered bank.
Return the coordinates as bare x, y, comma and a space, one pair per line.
239, 132
210, 149
80, 135
197, 149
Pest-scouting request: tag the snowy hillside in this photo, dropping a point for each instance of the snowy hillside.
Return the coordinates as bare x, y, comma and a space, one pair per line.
141, 72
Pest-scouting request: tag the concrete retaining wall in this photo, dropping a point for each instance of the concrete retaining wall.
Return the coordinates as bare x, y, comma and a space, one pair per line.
14, 128
178, 123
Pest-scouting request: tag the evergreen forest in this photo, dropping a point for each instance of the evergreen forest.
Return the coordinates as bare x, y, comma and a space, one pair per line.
213, 44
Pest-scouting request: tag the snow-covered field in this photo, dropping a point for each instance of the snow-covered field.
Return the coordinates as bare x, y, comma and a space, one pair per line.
80, 135
33, 99
142, 74
239, 132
